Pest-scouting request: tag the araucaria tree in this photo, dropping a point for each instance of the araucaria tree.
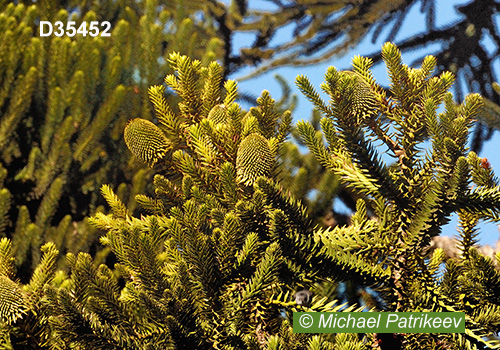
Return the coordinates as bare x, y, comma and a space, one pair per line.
409, 201
221, 248
64, 102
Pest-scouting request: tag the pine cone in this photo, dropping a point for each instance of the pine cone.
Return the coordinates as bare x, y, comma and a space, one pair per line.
146, 141
254, 158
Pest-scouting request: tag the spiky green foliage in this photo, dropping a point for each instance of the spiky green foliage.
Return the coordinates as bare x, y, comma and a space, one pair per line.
413, 198
64, 102
308, 181
217, 262
24, 317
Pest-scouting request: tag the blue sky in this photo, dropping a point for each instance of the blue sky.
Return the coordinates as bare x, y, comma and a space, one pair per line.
414, 23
